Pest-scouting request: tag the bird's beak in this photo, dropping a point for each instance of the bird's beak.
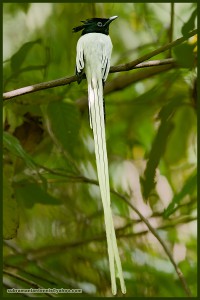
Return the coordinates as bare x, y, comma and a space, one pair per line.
110, 20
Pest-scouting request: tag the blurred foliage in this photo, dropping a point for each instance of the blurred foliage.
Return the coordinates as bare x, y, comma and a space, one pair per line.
53, 221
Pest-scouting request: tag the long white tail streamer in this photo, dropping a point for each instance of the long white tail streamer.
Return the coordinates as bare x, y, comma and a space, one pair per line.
95, 59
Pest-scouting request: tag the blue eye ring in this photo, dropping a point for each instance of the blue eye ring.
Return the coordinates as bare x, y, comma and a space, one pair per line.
99, 24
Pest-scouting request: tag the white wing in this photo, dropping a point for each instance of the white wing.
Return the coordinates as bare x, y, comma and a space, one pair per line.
105, 61
79, 57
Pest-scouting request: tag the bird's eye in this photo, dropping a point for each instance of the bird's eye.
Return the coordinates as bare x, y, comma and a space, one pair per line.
99, 24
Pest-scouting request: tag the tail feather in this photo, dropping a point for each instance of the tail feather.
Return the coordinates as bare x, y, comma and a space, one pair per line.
96, 112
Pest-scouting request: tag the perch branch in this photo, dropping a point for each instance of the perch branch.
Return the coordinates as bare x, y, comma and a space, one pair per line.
138, 63
124, 81
68, 80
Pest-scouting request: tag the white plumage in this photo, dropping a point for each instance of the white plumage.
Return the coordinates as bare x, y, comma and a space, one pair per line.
93, 55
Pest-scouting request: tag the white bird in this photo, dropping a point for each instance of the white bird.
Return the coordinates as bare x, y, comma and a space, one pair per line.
93, 56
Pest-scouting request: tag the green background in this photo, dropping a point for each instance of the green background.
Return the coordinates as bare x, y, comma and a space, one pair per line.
53, 220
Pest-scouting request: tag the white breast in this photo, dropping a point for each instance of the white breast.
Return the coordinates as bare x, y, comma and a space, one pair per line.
96, 49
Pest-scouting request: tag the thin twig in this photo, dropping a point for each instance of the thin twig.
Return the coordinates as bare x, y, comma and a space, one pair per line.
21, 268
25, 280
154, 232
51, 250
167, 251
171, 28
8, 285
46, 251
143, 232
120, 68
19, 252
131, 65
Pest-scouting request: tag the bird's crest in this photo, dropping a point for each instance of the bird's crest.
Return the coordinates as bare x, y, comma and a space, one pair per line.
88, 22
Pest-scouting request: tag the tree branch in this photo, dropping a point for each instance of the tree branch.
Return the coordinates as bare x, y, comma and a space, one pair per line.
131, 65
138, 63
68, 80
162, 227
171, 28
25, 280
124, 81
154, 232
45, 251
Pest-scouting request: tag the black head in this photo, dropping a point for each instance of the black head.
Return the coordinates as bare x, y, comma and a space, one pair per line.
100, 25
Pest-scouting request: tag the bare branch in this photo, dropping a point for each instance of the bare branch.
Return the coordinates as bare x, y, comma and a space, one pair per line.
131, 65
39, 87
155, 233
43, 252
124, 81
68, 80
171, 28
25, 280
138, 63
157, 236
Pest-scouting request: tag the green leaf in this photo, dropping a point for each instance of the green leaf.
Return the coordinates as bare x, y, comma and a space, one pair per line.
13, 145
63, 120
158, 146
10, 207
31, 193
190, 24
187, 189
24, 6
184, 121
168, 110
185, 55
119, 207
18, 58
